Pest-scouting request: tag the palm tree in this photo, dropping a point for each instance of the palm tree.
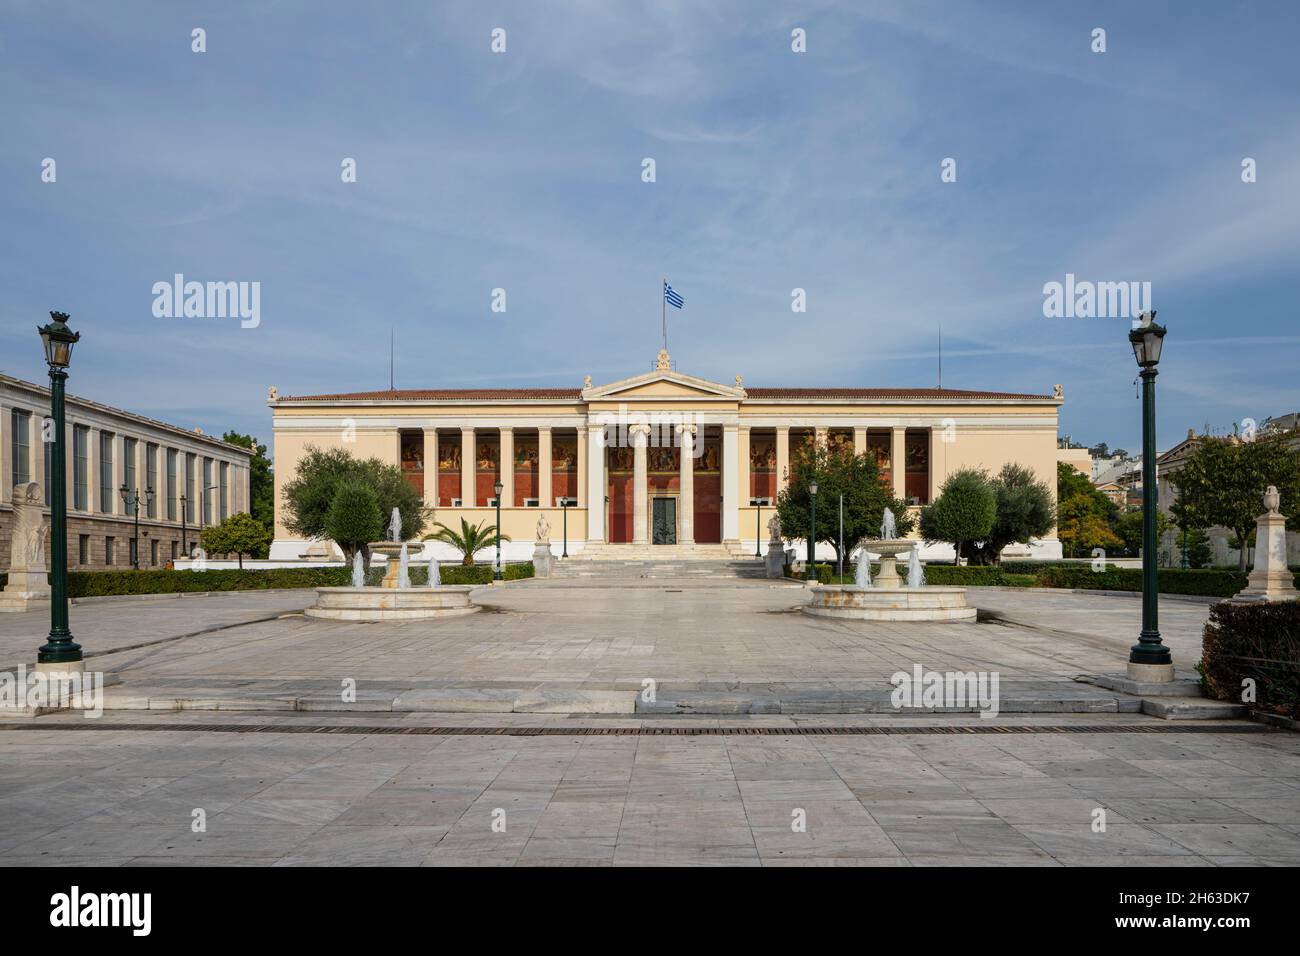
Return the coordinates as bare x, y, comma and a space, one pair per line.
469, 539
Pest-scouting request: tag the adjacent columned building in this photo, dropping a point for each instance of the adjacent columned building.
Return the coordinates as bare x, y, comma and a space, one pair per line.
661, 458
197, 480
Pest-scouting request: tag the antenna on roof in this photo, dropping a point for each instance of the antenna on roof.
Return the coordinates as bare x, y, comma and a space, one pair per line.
940, 355
391, 359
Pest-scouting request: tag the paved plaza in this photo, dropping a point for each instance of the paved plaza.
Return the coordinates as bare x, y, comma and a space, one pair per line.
809, 782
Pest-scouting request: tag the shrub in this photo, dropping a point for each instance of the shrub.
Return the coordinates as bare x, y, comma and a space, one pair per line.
1217, 582
99, 583
963, 513
1259, 642
974, 575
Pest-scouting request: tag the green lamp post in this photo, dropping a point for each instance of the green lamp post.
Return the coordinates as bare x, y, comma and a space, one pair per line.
60, 648
498, 488
812, 531
1147, 338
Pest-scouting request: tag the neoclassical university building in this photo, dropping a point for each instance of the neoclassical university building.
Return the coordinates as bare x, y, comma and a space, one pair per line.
661, 458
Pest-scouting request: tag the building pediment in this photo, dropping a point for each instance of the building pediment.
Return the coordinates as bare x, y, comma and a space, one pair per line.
663, 382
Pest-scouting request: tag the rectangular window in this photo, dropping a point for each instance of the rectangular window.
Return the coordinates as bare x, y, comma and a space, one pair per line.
225, 485
171, 484
175, 545
83, 549
20, 434
207, 493
151, 478
81, 468
153, 553
109, 543
190, 503
106, 491
129, 449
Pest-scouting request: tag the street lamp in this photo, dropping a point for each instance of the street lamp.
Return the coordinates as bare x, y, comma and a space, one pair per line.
758, 527
60, 648
564, 510
812, 530
1147, 338
498, 488
131, 499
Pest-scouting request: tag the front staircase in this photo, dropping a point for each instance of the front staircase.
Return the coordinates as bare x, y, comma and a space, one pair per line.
659, 561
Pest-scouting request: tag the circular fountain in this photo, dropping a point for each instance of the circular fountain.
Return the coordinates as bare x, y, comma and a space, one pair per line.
395, 599
887, 598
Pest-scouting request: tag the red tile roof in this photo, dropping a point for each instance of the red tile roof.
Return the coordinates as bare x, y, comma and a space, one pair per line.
441, 395
895, 393
574, 394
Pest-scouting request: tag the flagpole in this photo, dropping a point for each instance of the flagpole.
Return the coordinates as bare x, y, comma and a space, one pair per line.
663, 308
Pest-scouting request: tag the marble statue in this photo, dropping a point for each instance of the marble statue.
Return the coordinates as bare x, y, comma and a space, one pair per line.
774, 528
272, 394
1058, 391
543, 530
28, 539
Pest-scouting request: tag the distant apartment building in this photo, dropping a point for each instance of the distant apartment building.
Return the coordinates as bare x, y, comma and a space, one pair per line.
197, 480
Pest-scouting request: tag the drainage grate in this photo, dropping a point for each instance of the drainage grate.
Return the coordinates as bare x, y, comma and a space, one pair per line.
667, 731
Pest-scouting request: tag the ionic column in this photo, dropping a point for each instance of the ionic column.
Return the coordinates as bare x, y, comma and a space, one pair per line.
898, 460
687, 498
6, 455
506, 467
92, 471
820, 434
936, 434
544, 497
431, 467
730, 468
595, 461
640, 484
782, 459
742, 484
859, 441
468, 493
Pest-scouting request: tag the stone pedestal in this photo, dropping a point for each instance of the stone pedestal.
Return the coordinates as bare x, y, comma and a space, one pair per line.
1271, 579
543, 560
26, 591
775, 559
28, 587
1150, 673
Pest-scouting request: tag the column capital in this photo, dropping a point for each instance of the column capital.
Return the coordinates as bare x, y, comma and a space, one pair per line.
688, 429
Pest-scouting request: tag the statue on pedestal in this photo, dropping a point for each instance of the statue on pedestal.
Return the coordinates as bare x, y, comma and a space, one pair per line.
28, 585
1271, 579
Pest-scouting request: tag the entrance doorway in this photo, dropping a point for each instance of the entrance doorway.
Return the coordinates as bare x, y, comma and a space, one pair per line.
663, 520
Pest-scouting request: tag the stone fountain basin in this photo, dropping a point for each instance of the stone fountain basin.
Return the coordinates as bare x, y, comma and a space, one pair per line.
890, 548
928, 603
392, 604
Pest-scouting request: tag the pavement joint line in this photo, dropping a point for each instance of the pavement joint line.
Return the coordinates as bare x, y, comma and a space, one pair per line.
509, 731
211, 629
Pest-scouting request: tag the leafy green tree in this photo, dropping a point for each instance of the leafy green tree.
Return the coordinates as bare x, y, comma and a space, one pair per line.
964, 512
309, 496
239, 534
469, 540
1024, 510
1223, 483
261, 481
839, 471
1197, 546
1085, 516
354, 519
1129, 529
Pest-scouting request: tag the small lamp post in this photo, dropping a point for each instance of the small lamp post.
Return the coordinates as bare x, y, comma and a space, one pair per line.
812, 530
498, 488
564, 511
131, 499
758, 527
60, 651
1147, 339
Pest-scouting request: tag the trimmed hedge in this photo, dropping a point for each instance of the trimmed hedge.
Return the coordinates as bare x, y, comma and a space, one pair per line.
1258, 642
942, 574
1213, 582
100, 583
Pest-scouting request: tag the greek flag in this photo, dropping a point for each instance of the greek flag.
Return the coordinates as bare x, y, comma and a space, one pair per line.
671, 297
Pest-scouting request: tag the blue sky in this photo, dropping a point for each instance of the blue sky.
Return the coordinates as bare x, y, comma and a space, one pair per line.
775, 171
